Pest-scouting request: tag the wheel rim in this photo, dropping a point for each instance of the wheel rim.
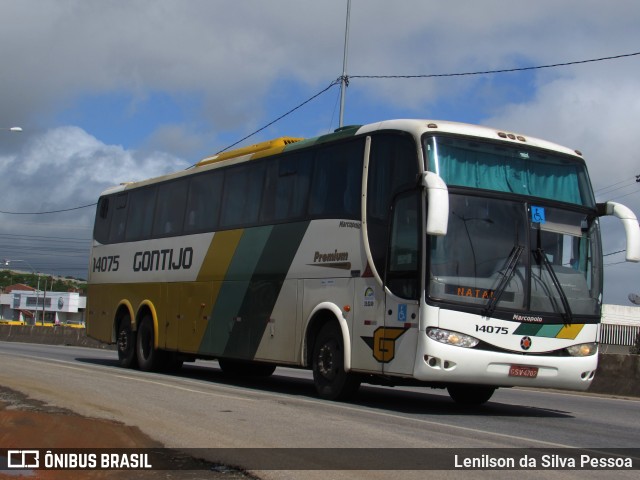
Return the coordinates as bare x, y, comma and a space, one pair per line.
327, 356
123, 341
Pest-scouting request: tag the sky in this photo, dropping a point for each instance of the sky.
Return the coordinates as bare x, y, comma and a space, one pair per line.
108, 91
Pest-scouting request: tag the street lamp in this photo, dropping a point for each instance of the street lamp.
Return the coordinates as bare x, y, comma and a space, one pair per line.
7, 262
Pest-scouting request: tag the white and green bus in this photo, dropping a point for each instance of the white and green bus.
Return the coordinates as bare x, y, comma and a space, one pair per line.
402, 252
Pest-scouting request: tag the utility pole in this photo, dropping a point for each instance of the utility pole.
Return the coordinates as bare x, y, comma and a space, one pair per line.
344, 79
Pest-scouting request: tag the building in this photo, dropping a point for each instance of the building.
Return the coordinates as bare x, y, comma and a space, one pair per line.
619, 329
21, 303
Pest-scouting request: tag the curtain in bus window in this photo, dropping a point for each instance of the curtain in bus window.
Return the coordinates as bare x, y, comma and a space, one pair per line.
509, 170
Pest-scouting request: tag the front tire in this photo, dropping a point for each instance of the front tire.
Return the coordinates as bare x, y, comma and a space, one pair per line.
332, 382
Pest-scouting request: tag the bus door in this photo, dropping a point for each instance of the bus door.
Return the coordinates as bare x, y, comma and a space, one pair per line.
398, 344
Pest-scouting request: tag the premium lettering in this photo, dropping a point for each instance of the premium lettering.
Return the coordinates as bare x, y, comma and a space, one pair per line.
331, 257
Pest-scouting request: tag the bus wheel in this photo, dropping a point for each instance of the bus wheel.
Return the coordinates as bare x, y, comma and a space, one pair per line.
470, 394
148, 356
329, 377
126, 344
241, 368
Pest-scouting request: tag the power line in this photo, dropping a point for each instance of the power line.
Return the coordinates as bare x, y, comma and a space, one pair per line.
502, 70
51, 211
332, 84
346, 78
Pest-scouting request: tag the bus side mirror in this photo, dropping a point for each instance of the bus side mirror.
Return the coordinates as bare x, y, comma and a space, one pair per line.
630, 223
437, 204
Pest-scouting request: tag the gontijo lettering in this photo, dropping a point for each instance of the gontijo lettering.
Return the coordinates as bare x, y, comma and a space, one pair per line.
166, 259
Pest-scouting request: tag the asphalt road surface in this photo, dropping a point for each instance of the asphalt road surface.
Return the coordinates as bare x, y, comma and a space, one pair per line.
203, 409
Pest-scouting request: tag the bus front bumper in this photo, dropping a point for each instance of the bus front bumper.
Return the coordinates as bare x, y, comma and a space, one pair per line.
438, 362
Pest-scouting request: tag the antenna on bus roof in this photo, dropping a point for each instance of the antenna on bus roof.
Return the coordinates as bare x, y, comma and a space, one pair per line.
344, 79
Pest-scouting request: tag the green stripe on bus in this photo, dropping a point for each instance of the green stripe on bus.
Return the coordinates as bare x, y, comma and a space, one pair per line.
232, 291
242, 309
264, 290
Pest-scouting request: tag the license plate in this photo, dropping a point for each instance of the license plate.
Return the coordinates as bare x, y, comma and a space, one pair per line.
519, 371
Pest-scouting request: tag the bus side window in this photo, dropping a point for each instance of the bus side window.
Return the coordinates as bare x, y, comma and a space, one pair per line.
203, 202
103, 221
335, 190
119, 218
403, 272
140, 215
169, 213
242, 195
286, 189
393, 167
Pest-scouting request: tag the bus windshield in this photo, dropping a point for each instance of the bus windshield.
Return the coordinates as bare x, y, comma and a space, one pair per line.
514, 169
496, 256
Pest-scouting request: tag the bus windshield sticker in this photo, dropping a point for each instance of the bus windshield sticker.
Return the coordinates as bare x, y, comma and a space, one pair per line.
538, 215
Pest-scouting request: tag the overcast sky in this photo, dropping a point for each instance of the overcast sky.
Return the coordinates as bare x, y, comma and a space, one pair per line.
111, 91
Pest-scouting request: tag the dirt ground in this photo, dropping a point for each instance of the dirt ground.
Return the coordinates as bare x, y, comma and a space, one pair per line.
26, 423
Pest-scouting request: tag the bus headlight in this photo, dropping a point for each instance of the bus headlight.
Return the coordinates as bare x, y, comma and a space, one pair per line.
452, 338
582, 350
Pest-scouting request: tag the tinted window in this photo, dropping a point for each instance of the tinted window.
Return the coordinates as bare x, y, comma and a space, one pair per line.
337, 181
286, 188
169, 213
242, 195
119, 220
140, 216
203, 202
104, 213
393, 167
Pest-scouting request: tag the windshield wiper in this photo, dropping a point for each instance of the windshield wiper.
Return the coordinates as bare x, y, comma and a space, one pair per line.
567, 315
509, 270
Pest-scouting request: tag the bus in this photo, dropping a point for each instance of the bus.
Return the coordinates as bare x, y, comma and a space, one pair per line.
404, 252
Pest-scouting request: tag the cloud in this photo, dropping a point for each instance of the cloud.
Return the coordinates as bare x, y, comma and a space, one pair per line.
598, 115
58, 169
238, 65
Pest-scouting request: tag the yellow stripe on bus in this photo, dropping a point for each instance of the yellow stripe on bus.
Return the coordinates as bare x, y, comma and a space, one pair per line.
570, 332
218, 258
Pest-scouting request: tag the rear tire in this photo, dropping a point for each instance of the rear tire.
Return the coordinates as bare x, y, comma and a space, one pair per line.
126, 342
149, 359
332, 382
470, 394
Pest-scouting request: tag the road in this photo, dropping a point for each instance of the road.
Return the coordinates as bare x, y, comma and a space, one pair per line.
202, 408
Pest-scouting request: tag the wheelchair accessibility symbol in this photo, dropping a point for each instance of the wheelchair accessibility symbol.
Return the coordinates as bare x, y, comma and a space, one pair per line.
538, 215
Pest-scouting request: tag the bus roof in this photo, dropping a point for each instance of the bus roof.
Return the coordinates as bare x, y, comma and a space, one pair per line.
414, 127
